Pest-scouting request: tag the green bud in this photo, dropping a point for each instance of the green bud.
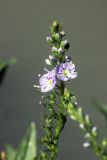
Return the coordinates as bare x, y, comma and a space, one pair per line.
87, 135
61, 51
56, 37
55, 24
80, 111
81, 125
47, 61
73, 117
94, 131
62, 33
104, 157
87, 119
54, 49
104, 143
56, 27
65, 44
49, 39
43, 155
86, 144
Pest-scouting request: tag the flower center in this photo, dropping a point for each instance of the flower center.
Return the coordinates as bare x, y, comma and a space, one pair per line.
66, 72
49, 81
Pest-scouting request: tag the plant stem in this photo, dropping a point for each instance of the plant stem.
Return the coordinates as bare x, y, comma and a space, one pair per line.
53, 124
86, 125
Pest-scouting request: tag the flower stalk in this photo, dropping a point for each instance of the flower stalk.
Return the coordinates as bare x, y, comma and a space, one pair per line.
85, 123
60, 102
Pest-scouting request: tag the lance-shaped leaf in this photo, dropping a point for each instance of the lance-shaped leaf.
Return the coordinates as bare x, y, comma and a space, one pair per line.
4, 66
10, 152
27, 148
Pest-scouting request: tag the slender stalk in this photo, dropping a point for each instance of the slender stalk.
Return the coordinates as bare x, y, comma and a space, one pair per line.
61, 102
85, 123
53, 124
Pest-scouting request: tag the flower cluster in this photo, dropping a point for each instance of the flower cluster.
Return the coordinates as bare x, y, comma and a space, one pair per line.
62, 68
61, 102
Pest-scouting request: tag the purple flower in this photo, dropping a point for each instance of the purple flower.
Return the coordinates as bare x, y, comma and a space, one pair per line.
66, 71
47, 81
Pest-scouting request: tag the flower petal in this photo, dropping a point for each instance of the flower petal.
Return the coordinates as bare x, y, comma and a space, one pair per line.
66, 71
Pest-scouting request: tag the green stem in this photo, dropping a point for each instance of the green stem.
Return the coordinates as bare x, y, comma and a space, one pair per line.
53, 124
61, 120
86, 125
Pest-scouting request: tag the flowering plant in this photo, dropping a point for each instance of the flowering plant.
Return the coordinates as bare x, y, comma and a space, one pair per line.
60, 102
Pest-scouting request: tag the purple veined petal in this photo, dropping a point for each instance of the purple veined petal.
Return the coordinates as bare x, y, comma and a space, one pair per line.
43, 79
73, 75
47, 81
53, 72
66, 71
46, 88
71, 66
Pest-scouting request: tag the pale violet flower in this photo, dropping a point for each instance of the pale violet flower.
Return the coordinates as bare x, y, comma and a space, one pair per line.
66, 71
47, 81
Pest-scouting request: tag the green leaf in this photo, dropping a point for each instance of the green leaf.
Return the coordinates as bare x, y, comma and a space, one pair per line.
27, 148
101, 107
10, 152
2, 65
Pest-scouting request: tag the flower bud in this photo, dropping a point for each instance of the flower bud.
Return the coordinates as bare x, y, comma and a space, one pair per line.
47, 61
49, 39
104, 142
52, 58
73, 117
86, 144
54, 49
87, 135
67, 59
36, 86
56, 26
62, 33
61, 50
95, 131
87, 118
40, 102
39, 75
81, 126
65, 44
56, 36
